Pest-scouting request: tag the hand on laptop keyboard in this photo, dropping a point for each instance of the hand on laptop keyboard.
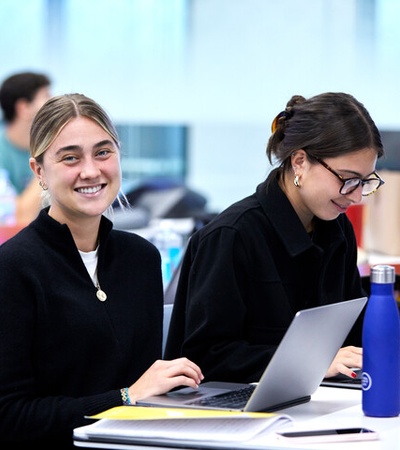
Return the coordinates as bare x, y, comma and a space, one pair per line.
344, 379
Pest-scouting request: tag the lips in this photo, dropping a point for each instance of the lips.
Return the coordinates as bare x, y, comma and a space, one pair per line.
342, 208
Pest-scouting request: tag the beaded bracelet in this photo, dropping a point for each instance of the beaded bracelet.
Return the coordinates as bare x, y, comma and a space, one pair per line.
125, 396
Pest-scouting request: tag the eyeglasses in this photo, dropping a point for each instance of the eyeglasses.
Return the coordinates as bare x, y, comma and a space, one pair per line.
369, 185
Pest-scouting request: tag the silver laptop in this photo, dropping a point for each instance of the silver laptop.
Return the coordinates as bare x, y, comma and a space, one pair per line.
342, 381
294, 373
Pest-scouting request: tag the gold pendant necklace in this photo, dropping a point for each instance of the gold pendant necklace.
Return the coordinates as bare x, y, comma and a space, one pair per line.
100, 294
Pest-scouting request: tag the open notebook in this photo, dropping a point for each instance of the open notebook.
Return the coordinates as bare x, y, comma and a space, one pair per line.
294, 373
134, 427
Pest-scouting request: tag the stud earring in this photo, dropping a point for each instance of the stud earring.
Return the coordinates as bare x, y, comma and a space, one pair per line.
296, 181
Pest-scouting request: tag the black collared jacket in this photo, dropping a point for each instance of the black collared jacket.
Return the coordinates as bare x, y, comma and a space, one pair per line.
65, 355
247, 273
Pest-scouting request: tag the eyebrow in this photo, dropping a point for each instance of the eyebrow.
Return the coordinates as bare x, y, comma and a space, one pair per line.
356, 174
350, 172
69, 148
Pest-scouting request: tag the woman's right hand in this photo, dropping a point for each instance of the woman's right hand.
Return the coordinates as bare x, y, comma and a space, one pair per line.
162, 376
345, 360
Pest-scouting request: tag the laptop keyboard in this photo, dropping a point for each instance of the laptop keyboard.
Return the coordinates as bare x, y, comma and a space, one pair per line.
351, 381
344, 381
232, 399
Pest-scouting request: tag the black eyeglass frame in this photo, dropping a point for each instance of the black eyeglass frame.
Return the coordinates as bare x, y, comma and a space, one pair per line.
346, 180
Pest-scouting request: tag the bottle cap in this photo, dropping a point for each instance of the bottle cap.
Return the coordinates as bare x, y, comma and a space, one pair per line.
382, 274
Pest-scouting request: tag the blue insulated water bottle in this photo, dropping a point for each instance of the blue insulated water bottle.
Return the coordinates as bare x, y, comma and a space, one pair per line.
381, 347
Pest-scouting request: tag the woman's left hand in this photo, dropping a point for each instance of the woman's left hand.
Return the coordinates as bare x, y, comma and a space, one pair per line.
345, 360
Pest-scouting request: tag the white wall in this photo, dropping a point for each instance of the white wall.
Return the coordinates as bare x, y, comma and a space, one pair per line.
224, 67
249, 57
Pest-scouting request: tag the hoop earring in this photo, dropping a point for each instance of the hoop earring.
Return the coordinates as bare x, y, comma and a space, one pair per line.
43, 186
296, 181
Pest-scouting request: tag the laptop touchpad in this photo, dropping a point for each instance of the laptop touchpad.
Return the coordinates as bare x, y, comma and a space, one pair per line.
189, 394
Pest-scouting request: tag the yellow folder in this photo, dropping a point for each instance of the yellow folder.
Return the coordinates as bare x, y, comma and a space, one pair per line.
153, 413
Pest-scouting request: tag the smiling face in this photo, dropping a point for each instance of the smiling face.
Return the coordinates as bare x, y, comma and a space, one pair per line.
81, 170
318, 194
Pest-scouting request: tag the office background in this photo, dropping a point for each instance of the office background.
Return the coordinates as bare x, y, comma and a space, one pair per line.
211, 74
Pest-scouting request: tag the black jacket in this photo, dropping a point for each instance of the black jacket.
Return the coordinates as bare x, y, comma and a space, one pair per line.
63, 353
247, 273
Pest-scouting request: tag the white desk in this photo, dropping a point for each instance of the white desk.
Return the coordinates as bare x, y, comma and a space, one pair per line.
339, 408
328, 408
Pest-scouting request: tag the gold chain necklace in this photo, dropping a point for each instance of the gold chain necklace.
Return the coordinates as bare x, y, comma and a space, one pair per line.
90, 259
100, 294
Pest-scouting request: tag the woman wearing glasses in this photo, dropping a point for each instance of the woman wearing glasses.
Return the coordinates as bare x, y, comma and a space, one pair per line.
287, 247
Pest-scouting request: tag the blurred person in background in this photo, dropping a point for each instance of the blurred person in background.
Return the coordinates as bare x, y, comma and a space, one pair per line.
21, 97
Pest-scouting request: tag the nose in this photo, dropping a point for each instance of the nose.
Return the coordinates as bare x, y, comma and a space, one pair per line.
356, 195
89, 169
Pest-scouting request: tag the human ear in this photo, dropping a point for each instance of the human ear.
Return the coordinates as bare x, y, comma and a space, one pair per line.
36, 168
298, 159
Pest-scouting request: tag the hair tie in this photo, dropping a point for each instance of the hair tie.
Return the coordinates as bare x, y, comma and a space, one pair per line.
283, 114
